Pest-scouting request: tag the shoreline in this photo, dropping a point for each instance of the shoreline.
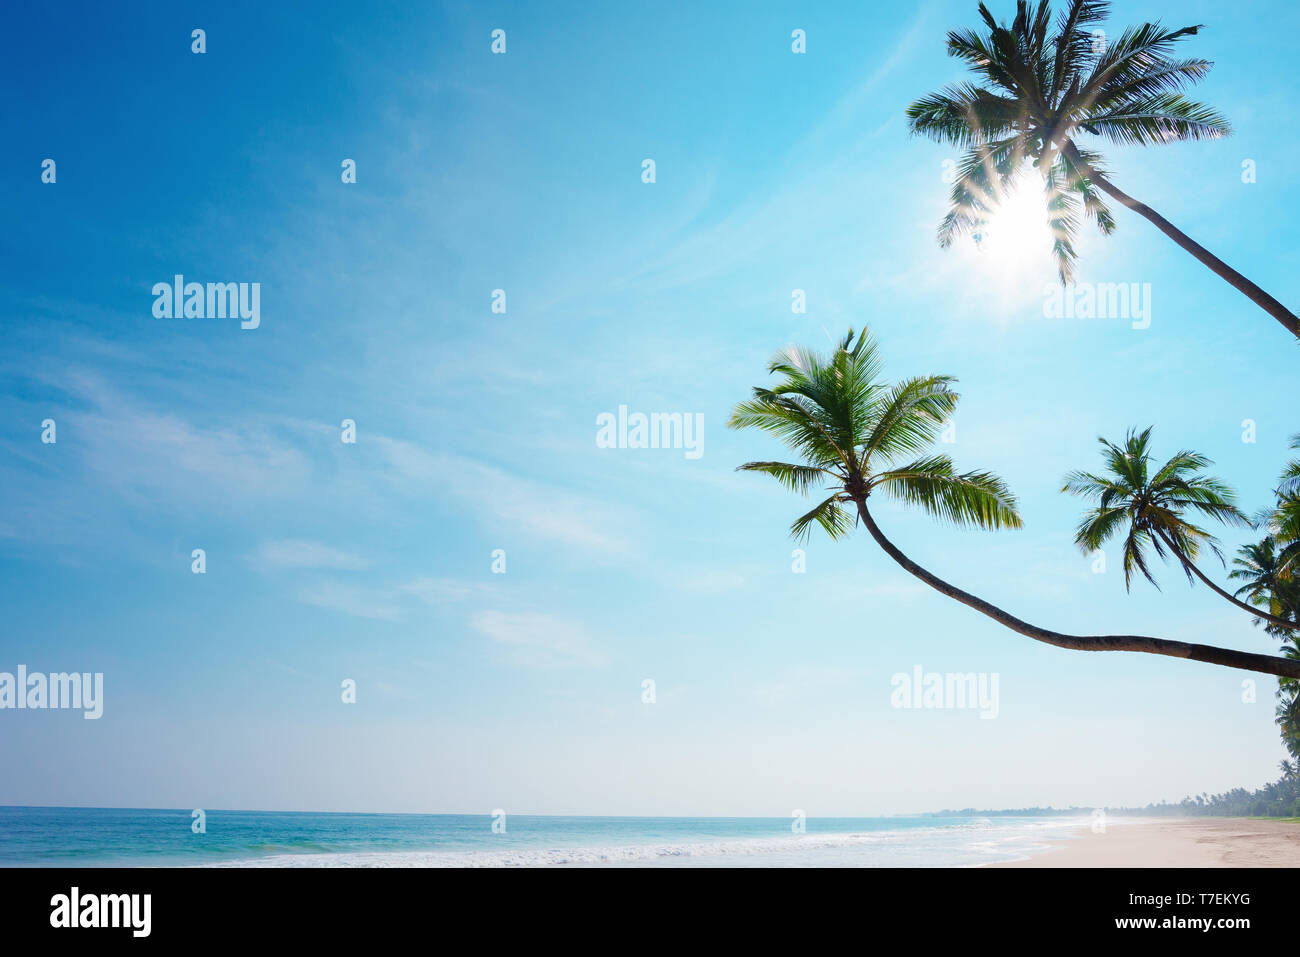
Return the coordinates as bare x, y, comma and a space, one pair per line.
1068, 841
1174, 842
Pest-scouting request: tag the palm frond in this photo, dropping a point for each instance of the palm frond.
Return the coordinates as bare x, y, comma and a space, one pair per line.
909, 416
965, 116
1158, 119
968, 498
797, 478
833, 518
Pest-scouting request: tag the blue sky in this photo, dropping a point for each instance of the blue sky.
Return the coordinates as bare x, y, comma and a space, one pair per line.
476, 431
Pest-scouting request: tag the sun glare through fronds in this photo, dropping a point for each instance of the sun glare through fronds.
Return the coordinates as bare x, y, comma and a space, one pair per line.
1016, 239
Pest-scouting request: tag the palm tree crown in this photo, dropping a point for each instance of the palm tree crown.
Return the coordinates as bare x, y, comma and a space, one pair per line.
858, 436
1147, 505
1039, 85
1259, 566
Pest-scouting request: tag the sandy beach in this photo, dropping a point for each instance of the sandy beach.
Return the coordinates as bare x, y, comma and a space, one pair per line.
1183, 842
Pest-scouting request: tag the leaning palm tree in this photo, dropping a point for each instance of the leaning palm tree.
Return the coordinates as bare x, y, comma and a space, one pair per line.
1039, 86
860, 439
1148, 507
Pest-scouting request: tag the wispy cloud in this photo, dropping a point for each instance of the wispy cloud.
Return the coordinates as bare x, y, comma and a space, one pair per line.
391, 602
436, 591
810, 191
134, 449
298, 553
511, 501
358, 601
539, 640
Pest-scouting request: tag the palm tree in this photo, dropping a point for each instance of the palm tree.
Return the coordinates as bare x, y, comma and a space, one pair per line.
1038, 86
859, 437
1147, 507
1267, 585
1284, 522
1260, 567
1287, 714
1290, 483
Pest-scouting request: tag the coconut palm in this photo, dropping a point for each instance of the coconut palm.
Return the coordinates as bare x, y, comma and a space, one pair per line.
1268, 585
860, 439
1259, 565
1290, 482
1287, 713
1284, 522
1038, 86
1148, 507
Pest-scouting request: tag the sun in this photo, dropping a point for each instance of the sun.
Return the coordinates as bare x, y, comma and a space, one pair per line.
1017, 241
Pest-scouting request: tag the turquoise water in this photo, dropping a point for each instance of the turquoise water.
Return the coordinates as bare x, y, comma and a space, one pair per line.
91, 837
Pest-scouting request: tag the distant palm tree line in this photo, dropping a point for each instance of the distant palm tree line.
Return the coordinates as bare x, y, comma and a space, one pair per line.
1276, 799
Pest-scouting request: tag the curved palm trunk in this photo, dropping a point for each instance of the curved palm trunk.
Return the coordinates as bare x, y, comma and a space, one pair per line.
1221, 269
1191, 567
1247, 661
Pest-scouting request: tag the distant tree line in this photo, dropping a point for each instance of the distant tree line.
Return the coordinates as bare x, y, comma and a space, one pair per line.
1278, 799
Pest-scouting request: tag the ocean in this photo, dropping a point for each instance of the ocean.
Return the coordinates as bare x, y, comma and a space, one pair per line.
103, 837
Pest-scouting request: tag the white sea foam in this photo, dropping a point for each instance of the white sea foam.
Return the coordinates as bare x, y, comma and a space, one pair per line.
951, 845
